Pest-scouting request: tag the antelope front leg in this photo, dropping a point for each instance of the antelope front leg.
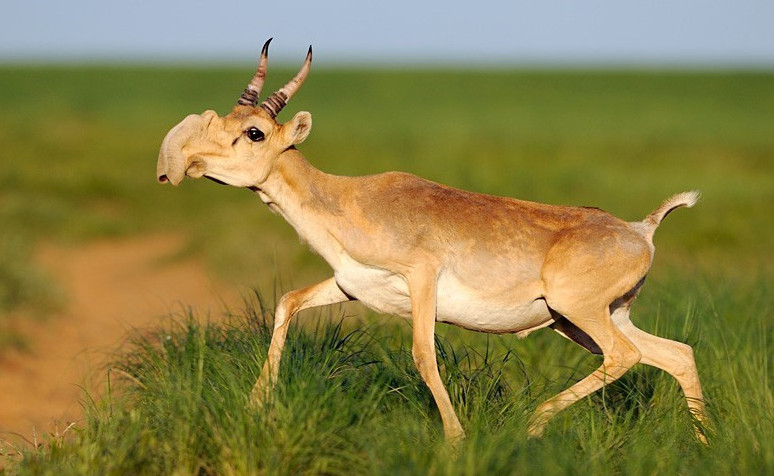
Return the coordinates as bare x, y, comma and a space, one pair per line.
423, 291
321, 294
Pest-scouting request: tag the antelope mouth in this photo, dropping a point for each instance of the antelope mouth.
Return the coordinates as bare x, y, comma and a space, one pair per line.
217, 181
196, 170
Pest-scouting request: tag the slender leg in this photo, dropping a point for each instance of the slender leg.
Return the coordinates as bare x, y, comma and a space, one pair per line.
422, 288
677, 360
582, 276
321, 294
620, 354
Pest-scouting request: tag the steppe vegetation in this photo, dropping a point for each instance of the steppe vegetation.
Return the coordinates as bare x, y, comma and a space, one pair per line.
79, 145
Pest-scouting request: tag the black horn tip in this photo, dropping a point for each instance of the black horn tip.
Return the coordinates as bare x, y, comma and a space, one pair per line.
309, 53
265, 49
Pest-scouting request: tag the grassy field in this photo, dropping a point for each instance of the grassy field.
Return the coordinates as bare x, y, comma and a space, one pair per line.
78, 152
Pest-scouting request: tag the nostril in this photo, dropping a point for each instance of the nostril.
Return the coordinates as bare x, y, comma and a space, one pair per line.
163, 178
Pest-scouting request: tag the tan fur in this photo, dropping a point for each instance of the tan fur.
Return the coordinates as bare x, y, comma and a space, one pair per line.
407, 246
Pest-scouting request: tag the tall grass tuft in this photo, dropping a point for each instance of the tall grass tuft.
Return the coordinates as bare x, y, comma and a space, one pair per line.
349, 400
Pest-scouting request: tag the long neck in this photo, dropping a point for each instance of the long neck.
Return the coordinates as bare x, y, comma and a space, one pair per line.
309, 199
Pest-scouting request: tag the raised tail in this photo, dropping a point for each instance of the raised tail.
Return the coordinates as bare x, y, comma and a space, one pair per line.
685, 199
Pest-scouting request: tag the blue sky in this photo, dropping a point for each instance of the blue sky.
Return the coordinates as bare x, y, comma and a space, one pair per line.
485, 32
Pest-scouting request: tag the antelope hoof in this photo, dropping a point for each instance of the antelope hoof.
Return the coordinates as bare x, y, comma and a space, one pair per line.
700, 435
537, 425
454, 440
259, 397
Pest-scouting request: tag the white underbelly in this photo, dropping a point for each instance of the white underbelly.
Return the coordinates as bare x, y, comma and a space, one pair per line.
377, 288
457, 303
473, 309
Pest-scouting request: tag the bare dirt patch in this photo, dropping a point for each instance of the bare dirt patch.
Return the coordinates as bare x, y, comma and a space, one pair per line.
113, 287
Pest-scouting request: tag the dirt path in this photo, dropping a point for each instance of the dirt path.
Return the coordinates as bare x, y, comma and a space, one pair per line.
112, 287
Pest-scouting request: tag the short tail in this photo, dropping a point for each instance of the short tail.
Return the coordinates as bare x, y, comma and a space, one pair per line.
685, 199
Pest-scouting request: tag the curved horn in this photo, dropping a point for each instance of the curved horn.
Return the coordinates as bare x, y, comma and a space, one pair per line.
274, 103
250, 95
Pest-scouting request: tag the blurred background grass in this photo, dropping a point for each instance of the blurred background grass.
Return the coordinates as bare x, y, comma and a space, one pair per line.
79, 146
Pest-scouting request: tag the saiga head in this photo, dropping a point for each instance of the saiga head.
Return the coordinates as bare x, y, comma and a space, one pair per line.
238, 149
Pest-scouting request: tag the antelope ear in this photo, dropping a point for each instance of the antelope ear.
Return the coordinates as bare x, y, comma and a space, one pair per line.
297, 129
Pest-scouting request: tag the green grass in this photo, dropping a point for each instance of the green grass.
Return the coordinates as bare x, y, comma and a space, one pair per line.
79, 147
78, 152
350, 401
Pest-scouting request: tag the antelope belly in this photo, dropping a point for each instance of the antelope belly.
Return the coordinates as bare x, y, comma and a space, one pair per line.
379, 289
387, 292
512, 311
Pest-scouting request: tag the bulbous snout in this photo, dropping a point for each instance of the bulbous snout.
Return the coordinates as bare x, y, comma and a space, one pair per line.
172, 161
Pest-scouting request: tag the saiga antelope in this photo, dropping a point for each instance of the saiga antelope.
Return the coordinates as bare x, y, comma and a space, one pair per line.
407, 246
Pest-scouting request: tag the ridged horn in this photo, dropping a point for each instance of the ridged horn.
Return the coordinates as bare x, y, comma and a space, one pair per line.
274, 103
253, 90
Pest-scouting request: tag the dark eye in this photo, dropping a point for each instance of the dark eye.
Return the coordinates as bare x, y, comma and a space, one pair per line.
254, 134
